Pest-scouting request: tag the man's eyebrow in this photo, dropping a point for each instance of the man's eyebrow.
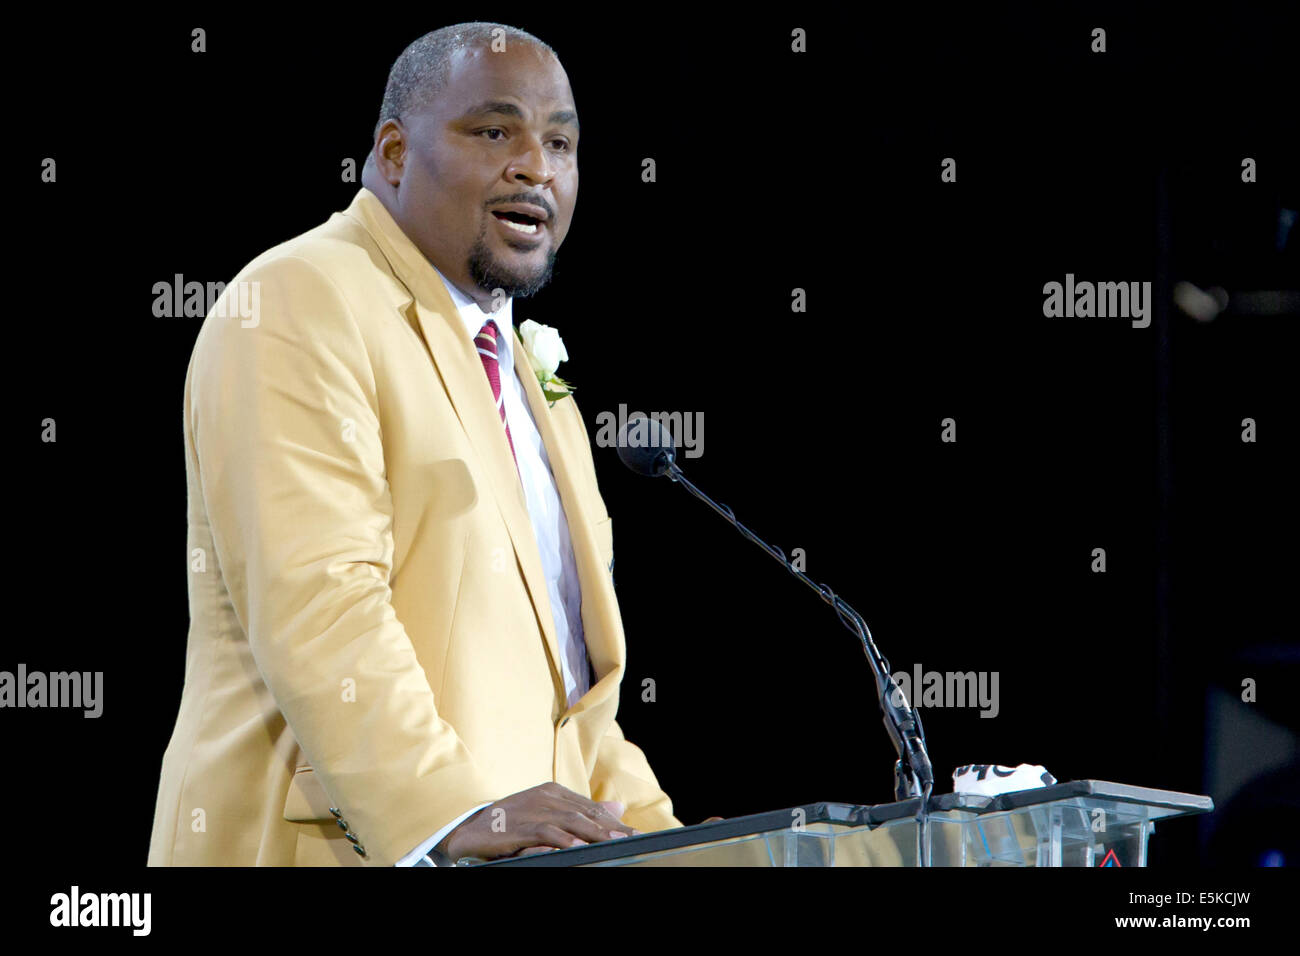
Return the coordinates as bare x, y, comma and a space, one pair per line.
559, 117
506, 109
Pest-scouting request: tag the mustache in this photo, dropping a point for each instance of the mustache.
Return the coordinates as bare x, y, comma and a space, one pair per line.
531, 198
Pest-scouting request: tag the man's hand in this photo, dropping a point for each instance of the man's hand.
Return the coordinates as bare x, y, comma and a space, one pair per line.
548, 816
542, 849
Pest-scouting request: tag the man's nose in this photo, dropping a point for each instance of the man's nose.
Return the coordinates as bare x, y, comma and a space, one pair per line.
532, 166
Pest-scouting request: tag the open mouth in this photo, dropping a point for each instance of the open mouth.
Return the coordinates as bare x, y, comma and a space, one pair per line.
519, 222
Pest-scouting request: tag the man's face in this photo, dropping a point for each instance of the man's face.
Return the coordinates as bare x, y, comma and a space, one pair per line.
489, 170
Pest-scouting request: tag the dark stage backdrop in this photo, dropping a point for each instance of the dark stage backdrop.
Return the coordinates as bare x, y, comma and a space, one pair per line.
823, 429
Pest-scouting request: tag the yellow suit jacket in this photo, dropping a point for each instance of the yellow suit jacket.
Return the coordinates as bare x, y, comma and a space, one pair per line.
370, 635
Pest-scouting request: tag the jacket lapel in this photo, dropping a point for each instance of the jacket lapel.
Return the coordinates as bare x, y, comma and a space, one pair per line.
457, 363
561, 432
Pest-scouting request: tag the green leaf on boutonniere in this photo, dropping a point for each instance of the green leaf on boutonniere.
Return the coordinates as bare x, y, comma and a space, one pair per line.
552, 394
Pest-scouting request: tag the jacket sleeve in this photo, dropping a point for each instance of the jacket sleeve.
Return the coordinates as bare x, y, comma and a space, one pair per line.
287, 433
623, 773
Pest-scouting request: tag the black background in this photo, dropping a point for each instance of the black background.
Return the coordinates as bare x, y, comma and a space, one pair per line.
822, 430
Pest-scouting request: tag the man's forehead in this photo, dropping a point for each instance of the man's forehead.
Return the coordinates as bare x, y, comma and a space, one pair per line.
521, 73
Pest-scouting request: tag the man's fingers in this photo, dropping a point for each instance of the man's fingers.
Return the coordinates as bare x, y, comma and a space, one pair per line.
549, 816
530, 850
598, 813
528, 840
590, 826
616, 809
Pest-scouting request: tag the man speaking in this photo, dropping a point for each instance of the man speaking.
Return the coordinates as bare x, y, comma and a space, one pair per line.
404, 643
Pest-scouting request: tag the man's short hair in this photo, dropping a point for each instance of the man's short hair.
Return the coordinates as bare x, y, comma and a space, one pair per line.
420, 73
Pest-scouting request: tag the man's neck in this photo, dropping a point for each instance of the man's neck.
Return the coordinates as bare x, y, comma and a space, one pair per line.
463, 301
385, 194
480, 298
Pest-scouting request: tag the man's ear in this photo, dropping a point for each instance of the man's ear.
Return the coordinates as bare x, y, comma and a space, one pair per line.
388, 155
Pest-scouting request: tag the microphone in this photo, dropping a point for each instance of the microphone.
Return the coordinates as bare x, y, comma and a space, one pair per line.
647, 448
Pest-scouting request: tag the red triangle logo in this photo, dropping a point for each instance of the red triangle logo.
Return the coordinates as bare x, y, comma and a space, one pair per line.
1110, 860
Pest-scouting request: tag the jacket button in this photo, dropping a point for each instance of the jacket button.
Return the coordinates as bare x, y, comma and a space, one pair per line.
361, 851
336, 811
564, 721
343, 824
352, 837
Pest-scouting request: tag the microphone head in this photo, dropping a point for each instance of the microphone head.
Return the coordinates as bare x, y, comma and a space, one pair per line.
646, 447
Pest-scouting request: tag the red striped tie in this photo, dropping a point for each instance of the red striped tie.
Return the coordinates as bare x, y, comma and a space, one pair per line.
486, 343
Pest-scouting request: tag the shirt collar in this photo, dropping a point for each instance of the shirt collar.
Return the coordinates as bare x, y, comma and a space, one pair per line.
473, 318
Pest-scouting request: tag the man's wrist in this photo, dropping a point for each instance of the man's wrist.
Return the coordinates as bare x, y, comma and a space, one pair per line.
439, 858
443, 853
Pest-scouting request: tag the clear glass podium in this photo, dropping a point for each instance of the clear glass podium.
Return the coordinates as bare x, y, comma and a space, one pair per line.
1081, 823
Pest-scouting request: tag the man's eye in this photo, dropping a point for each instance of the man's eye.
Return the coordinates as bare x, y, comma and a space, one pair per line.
564, 144
493, 130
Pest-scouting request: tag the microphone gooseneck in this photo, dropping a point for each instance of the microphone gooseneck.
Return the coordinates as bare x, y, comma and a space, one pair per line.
646, 448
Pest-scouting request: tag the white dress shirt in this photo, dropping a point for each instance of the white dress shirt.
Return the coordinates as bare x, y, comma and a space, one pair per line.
550, 526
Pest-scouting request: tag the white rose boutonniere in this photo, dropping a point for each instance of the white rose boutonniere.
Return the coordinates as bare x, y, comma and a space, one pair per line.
545, 351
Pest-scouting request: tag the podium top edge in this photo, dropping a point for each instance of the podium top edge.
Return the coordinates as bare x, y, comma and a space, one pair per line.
1181, 803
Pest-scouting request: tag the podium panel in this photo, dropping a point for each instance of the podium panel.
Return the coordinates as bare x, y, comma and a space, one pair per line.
1081, 823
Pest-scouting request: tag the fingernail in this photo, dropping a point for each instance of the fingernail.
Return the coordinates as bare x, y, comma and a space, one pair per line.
617, 833
579, 843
